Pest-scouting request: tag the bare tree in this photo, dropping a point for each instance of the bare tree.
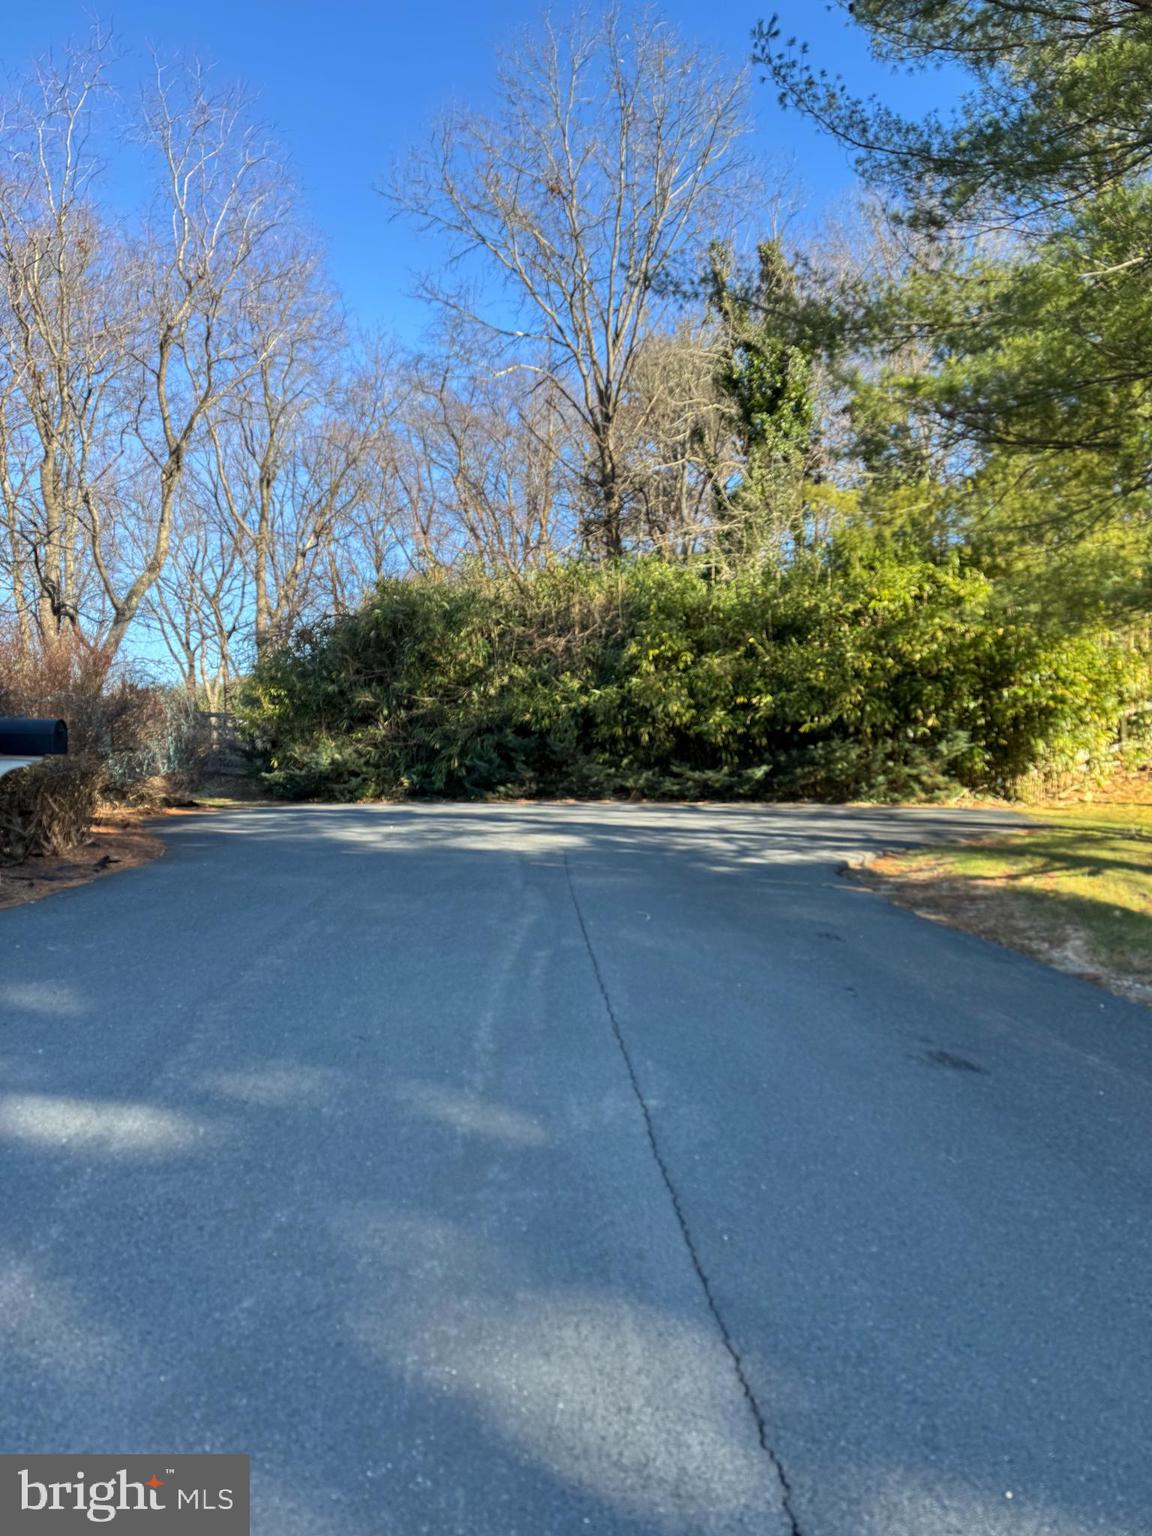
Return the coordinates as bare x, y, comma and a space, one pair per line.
17, 597
683, 452
223, 199
117, 344
200, 603
613, 155
62, 341
487, 460
288, 446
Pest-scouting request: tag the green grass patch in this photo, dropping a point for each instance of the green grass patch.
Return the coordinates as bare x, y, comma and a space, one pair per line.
1076, 891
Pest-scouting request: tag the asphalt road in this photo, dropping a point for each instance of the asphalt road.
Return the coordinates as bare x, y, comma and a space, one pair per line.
542, 1170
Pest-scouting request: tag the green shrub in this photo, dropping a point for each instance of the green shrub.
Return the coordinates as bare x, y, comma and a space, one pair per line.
878, 678
47, 807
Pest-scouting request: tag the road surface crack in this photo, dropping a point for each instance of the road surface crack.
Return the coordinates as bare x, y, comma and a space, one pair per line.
786, 1493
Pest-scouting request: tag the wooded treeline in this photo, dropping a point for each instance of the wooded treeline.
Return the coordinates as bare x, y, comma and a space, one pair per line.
632, 357
196, 446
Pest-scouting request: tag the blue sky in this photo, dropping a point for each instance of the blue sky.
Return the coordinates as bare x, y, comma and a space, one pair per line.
347, 84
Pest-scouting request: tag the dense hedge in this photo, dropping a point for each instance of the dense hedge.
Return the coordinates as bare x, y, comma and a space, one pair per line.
878, 678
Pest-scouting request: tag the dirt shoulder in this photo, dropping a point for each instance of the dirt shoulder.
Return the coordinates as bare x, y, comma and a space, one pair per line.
122, 837
1074, 892
113, 843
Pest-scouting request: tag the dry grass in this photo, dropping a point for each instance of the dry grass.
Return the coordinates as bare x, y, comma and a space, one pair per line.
1076, 891
47, 807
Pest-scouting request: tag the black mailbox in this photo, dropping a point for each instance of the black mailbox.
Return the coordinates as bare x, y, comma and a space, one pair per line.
20, 737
